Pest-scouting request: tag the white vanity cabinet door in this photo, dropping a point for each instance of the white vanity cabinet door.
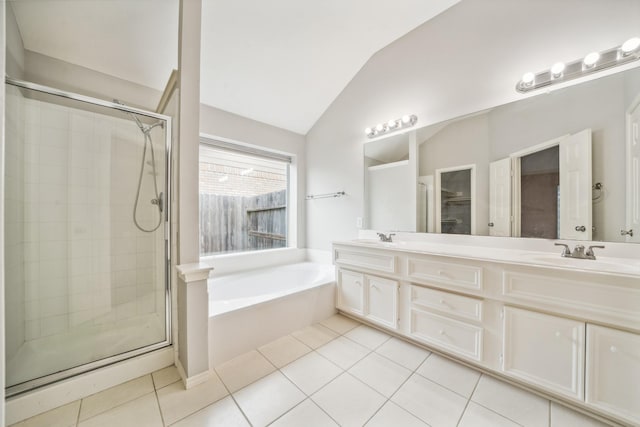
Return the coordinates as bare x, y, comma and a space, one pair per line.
350, 296
382, 301
613, 372
545, 350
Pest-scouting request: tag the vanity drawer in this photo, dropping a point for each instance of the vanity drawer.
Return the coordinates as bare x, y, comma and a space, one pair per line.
458, 337
371, 261
608, 298
456, 305
452, 274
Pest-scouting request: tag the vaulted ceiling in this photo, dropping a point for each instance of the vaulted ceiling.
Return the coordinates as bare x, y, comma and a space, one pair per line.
281, 62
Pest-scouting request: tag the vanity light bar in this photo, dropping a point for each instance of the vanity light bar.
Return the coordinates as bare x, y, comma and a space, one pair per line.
391, 126
593, 62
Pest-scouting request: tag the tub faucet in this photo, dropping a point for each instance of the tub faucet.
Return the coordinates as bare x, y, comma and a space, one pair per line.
385, 238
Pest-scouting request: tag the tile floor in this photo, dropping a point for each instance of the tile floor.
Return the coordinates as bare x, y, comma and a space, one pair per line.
335, 373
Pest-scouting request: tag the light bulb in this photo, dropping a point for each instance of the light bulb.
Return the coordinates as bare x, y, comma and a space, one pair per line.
379, 127
368, 131
406, 119
630, 45
591, 59
557, 69
528, 78
392, 124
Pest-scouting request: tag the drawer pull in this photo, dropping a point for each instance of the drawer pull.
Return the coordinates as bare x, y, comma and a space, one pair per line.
613, 349
441, 332
358, 283
557, 334
443, 302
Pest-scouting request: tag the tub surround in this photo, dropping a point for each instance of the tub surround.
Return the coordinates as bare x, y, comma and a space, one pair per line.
567, 328
251, 308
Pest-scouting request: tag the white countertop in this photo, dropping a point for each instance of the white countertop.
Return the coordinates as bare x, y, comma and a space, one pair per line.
608, 265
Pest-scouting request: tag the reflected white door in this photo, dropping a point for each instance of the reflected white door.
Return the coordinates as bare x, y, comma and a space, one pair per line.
426, 222
500, 198
633, 174
575, 186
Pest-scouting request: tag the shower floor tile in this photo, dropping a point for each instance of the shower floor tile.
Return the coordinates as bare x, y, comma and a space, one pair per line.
379, 381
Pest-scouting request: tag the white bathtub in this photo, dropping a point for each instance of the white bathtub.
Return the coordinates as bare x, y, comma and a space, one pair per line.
250, 309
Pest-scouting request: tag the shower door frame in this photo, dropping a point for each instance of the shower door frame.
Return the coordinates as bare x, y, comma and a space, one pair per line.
71, 372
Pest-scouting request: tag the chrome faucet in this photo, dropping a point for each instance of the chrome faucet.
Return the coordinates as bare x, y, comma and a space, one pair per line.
578, 252
385, 238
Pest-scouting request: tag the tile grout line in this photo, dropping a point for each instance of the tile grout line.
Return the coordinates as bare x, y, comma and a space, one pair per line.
155, 391
468, 400
79, 410
235, 402
399, 387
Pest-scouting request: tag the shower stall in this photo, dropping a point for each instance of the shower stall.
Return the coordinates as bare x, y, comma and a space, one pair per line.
86, 185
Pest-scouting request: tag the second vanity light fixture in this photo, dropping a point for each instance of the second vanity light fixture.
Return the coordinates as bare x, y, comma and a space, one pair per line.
391, 126
595, 61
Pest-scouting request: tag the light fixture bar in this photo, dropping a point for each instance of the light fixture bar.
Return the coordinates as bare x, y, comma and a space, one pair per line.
591, 63
391, 126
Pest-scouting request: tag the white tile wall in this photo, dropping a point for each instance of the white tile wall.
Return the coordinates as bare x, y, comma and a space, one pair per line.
74, 257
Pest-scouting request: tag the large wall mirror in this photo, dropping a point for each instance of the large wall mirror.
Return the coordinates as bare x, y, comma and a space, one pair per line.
559, 165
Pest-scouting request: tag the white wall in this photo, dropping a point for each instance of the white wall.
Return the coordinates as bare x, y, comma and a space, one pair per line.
14, 47
467, 59
219, 123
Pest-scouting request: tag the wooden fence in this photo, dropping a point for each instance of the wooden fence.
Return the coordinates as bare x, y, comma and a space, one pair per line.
235, 223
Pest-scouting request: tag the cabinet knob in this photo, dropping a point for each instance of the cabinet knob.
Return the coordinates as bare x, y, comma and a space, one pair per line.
358, 283
557, 334
374, 287
581, 228
441, 331
490, 224
442, 301
613, 349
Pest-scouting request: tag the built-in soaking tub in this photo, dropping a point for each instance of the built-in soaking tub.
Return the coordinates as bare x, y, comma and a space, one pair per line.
250, 309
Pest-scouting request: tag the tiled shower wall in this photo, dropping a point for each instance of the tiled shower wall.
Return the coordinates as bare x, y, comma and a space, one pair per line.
85, 263
14, 224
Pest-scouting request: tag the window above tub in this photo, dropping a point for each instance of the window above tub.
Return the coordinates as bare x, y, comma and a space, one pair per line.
244, 198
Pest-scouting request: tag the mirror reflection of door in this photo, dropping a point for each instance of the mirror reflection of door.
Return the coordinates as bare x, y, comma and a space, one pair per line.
551, 197
426, 204
455, 200
632, 226
540, 194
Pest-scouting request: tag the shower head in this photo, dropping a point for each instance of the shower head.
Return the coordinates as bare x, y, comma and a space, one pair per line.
143, 128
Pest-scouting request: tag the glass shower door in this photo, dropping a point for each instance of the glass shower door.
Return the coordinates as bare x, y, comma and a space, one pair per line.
85, 250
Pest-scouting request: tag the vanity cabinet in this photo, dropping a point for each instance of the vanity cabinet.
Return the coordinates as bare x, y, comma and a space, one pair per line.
381, 296
372, 297
613, 372
544, 350
568, 333
350, 295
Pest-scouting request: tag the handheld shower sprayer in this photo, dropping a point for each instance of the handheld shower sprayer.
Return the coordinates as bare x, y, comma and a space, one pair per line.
158, 200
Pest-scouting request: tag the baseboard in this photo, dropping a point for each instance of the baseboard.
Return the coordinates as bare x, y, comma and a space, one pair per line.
193, 381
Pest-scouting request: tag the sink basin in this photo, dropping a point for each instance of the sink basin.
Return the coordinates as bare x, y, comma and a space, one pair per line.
588, 264
374, 242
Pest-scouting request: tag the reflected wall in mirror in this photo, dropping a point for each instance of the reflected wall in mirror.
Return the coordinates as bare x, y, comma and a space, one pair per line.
390, 183
592, 190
